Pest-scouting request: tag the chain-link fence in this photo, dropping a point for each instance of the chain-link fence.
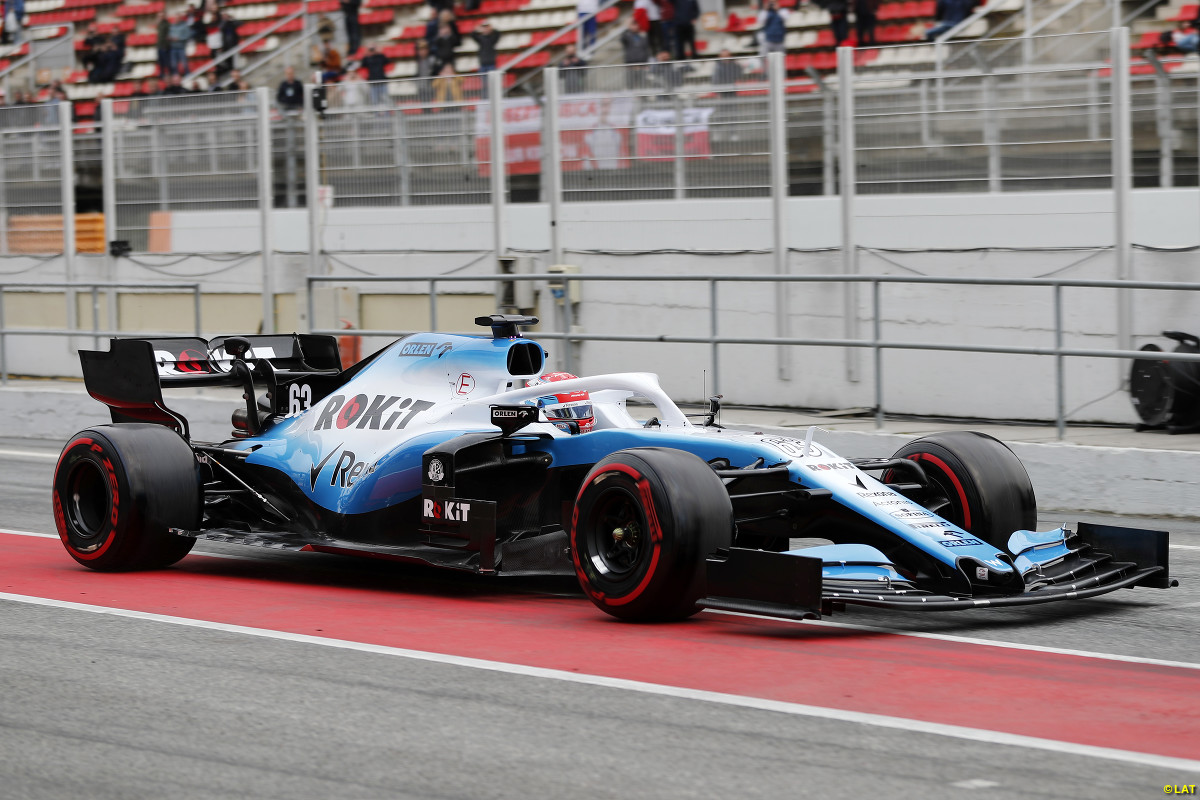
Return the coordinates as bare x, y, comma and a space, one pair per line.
187, 153
1000, 125
421, 142
31, 191
664, 130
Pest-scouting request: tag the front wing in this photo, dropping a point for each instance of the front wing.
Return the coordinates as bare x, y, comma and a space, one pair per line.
1102, 559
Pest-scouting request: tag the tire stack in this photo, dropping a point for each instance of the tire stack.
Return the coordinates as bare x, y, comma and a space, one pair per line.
1166, 394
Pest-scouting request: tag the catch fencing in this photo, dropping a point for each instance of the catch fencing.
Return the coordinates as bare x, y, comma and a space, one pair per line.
555, 286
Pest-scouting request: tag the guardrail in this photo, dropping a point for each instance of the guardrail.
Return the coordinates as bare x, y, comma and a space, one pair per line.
70, 290
876, 343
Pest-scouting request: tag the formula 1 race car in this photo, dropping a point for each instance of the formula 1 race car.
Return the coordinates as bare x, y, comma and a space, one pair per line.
435, 450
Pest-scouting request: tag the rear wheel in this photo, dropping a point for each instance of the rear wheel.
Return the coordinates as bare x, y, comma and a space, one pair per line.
119, 489
644, 522
976, 482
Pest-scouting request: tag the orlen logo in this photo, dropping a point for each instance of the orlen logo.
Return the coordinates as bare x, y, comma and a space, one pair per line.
418, 349
449, 511
362, 412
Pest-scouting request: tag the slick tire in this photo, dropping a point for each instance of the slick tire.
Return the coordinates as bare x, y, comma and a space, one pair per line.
644, 522
117, 491
976, 482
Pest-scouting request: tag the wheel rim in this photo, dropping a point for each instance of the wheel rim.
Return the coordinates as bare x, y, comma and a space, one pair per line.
942, 498
616, 537
88, 500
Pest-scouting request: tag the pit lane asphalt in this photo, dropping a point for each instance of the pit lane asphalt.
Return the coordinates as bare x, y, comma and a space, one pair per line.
99, 706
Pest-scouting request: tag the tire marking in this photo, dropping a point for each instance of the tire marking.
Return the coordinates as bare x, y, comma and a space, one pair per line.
797, 709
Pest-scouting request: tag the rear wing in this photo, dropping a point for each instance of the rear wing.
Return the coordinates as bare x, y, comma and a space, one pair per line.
295, 369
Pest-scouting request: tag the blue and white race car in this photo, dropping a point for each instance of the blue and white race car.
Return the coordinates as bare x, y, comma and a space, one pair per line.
461, 452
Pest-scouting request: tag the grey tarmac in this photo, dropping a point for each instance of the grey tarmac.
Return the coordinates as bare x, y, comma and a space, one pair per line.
103, 707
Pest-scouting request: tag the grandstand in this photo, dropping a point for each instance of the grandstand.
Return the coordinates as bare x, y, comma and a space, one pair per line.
524, 24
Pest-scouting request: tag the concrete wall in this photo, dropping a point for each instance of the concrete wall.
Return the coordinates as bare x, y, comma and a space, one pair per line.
699, 237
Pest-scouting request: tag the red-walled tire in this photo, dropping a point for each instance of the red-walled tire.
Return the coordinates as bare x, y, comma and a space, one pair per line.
117, 491
645, 520
976, 482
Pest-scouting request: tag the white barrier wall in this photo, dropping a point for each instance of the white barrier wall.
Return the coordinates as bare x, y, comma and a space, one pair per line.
948, 235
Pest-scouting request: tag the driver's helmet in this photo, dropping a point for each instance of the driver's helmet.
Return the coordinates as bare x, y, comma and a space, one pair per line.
568, 407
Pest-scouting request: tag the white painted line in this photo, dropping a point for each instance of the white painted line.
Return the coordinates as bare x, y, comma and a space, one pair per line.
858, 717
44, 454
31, 533
1184, 547
945, 637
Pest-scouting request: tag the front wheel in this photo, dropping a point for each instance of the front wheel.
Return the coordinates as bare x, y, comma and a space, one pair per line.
644, 522
976, 482
118, 489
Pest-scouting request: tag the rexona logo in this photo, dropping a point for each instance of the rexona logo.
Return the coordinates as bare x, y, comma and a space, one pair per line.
910, 513
448, 511
381, 412
346, 470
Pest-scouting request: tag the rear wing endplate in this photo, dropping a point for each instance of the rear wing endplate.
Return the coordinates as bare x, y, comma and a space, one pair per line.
130, 376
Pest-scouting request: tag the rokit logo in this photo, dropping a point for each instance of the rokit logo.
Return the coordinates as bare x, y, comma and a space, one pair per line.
346, 470
447, 511
960, 542
361, 412
834, 465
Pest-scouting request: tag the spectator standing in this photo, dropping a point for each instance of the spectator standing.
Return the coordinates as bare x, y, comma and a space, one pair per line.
486, 37
686, 13
772, 27
666, 15
949, 13
726, 74
350, 10
444, 46
326, 30
91, 47
181, 32
199, 28
162, 43
574, 71
649, 20
425, 72
290, 95
375, 63
447, 85
666, 74
352, 90
865, 14
637, 52
229, 43
14, 20
839, 22
588, 9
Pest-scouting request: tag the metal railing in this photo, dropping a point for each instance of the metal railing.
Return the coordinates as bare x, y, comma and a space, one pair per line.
241, 47
36, 51
877, 344
70, 292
